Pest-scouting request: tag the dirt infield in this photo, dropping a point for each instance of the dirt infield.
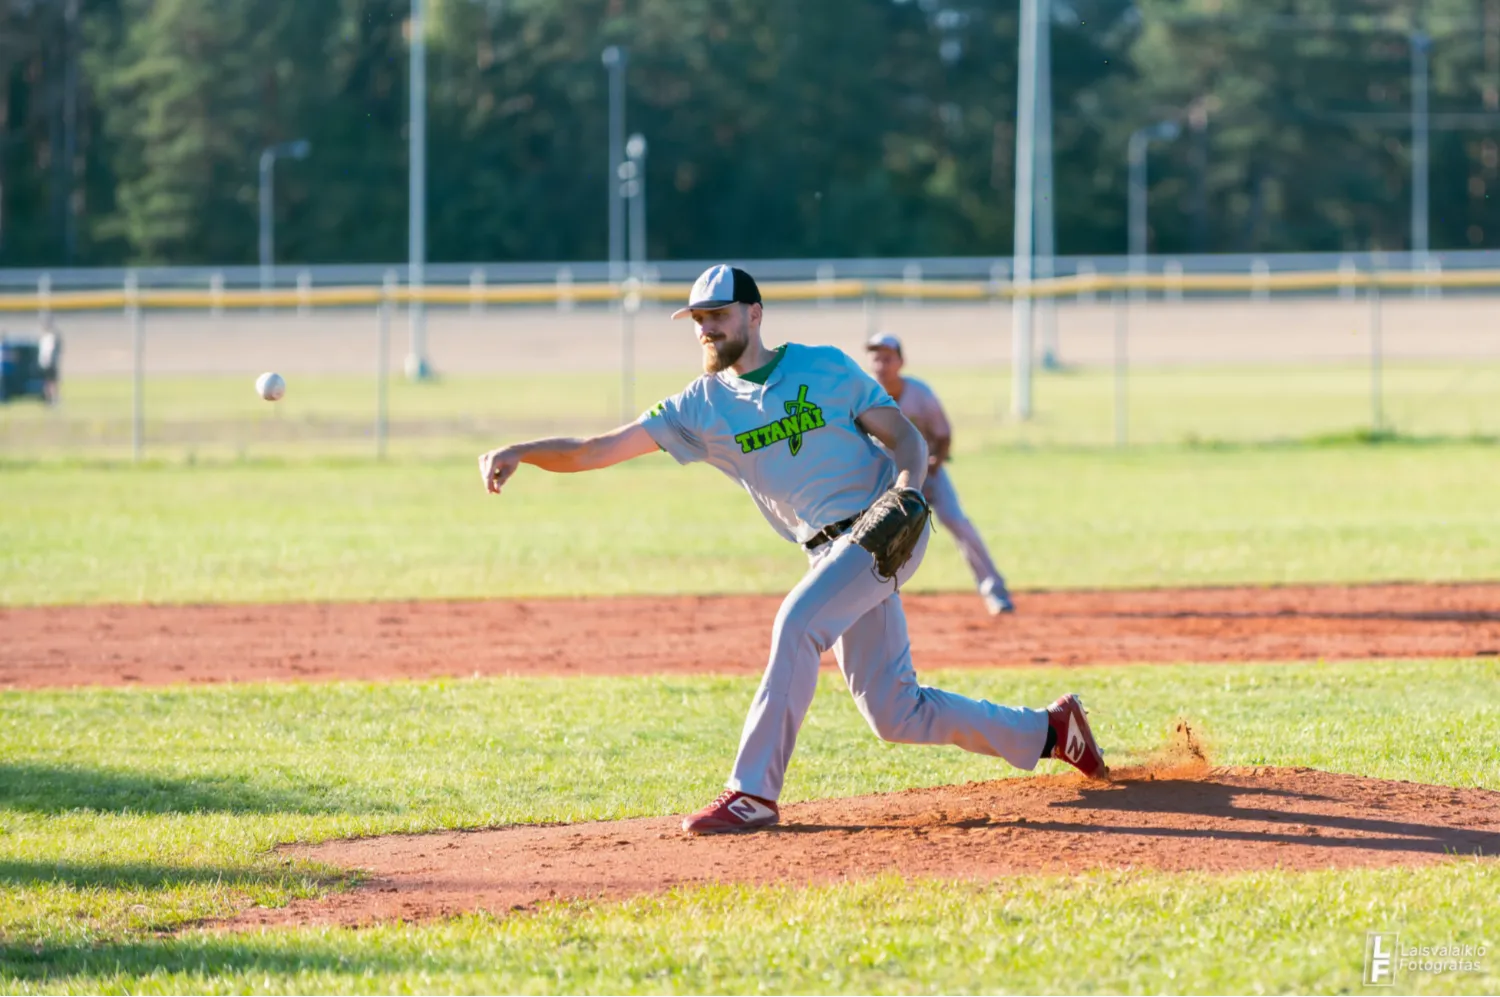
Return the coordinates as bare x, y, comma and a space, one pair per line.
122, 645
1175, 813
1215, 820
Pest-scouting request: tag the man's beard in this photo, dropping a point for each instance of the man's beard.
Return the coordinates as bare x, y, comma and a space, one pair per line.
722, 354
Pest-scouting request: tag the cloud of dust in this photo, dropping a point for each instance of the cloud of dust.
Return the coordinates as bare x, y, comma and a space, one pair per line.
1185, 755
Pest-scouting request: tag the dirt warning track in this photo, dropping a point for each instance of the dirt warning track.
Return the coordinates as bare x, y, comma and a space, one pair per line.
152, 645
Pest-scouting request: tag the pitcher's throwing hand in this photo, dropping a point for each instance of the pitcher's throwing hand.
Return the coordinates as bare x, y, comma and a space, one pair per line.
496, 467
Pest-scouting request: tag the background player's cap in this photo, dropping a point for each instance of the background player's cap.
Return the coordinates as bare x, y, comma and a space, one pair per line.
884, 341
719, 287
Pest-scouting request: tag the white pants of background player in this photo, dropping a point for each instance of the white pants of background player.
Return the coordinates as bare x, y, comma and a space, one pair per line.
944, 501
842, 604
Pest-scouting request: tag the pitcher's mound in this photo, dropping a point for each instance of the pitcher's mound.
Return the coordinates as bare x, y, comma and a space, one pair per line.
1219, 820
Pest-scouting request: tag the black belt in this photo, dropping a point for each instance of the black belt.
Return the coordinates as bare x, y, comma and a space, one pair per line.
832, 532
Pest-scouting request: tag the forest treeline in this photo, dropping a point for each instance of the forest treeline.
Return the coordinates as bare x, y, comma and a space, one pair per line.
130, 130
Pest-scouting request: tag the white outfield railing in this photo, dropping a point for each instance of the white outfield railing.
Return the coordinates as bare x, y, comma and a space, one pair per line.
942, 268
1172, 284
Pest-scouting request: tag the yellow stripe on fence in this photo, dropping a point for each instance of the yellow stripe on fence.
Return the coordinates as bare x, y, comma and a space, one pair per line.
834, 290
946, 290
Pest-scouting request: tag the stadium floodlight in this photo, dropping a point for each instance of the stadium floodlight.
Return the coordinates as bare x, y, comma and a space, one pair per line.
299, 149
1140, 140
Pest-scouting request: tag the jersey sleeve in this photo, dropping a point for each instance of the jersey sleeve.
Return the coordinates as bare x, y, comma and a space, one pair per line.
672, 424
867, 392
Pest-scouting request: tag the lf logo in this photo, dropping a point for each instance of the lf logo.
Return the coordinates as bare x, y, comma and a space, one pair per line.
1380, 958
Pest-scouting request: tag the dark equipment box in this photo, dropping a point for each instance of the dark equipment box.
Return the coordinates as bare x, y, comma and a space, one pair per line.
29, 367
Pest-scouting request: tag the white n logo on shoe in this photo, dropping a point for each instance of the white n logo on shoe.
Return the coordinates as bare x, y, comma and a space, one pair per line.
747, 809
1074, 746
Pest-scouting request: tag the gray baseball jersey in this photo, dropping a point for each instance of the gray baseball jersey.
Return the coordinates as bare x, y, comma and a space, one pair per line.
920, 404
792, 442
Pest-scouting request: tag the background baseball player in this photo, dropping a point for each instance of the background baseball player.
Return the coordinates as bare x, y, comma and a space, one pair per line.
797, 427
919, 403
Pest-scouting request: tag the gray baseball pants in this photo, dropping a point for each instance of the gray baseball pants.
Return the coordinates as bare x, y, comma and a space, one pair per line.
943, 498
841, 603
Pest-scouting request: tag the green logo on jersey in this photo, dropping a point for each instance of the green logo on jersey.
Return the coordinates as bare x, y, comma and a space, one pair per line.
802, 416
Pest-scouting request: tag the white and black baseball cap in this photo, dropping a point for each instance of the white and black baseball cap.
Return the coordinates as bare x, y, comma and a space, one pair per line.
719, 287
884, 341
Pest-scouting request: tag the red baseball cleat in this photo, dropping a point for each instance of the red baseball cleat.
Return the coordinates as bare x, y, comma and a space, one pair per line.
732, 811
1075, 741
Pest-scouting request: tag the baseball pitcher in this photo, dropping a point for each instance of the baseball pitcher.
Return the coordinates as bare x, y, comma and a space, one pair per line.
833, 465
920, 405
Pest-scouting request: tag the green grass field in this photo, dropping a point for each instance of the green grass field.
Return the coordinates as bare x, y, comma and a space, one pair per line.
116, 533
127, 812
1135, 933
127, 815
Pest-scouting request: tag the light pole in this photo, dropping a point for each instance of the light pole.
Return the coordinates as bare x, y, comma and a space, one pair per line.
614, 59
293, 150
1046, 222
1421, 46
1140, 139
633, 190
1025, 213
416, 192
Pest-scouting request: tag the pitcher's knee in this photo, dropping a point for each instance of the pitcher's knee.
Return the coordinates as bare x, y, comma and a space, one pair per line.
899, 719
790, 644
794, 626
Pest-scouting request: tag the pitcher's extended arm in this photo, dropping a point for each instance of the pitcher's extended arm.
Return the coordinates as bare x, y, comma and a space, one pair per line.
565, 454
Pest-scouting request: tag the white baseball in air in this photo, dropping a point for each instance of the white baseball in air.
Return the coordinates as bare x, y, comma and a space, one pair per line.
270, 386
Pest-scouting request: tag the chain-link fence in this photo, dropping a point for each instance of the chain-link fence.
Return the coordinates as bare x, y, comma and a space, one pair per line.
1161, 359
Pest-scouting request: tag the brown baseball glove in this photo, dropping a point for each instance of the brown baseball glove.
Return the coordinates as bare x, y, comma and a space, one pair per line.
891, 528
